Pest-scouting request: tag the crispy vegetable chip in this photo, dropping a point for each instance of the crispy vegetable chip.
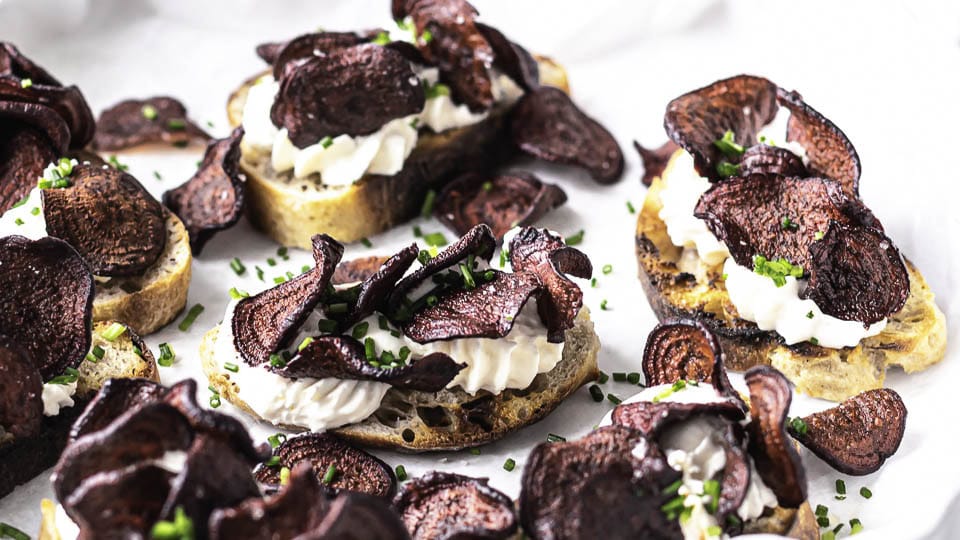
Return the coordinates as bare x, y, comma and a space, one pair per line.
352, 468
511, 58
447, 506
773, 453
502, 202
456, 46
266, 322
14, 63
541, 252
18, 115
212, 200
134, 122
357, 270
548, 125
741, 104
343, 357
352, 91
21, 405
858, 435
764, 159
652, 418
109, 218
46, 291
306, 46
125, 502
375, 290
654, 159
570, 490
687, 350
24, 153
777, 217
114, 398
857, 274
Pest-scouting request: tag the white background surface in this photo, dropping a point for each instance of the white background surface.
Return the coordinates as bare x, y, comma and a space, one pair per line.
887, 73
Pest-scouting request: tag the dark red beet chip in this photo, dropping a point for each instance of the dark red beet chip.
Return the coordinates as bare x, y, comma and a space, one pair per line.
357, 270
503, 202
14, 63
773, 452
548, 125
741, 104
457, 47
857, 436
17, 115
343, 357
123, 503
212, 200
266, 322
24, 153
109, 218
857, 274
546, 255
375, 290
114, 398
488, 310
613, 480
764, 159
21, 388
46, 291
354, 469
133, 122
654, 159
353, 91
512, 59
447, 506
652, 418
307, 46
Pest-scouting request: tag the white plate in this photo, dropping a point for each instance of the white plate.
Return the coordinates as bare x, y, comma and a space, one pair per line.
886, 74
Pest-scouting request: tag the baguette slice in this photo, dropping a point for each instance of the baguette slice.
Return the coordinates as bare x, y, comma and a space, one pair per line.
148, 302
23, 459
915, 338
291, 210
451, 419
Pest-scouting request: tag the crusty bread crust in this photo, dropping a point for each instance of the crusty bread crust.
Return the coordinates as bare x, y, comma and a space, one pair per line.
156, 297
915, 338
292, 210
451, 419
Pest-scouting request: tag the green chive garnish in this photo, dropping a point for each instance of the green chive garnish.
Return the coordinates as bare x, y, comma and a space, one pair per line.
277, 361
603, 305
276, 439
7, 530
230, 366
575, 238
327, 326
192, 315
435, 239
166, 355
70, 376
607, 268
113, 331
273, 461
633, 377
176, 124
326, 142
619, 376
360, 330
727, 169
331, 473
596, 393
821, 510
428, 202
366, 242
149, 112
855, 526
841, 486
509, 465
340, 307
788, 225
630, 208
370, 349
468, 280
26, 83
259, 272
865, 492
798, 425
810, 314
728, 145
475, 451
401, 473
180, 528
237, 266
614, 399
603, 378
554, 438
303, 344
237, 294
284, 476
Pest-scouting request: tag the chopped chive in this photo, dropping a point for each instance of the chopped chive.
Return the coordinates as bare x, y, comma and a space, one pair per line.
331, 473
340, 307
810, 314
814, 341
614, 399
841, 486
303, 344
230, 366
273, 461
673, 488
596, 393
435, 239
35, 211
726, 169
304, 269
70, 376
360, 330
575, 238
428, 202
115, 163
284, 476
823, 521
259, 272
166, 355
829, 535
271, 261
113, 331
370, 349
619, 376
192, 315
593, 282
633, 377
7, 530
603, 305
277, 361
607, 268
821, 510
19, 221
475, 451
176, 124
417, 231
865, 492
798, 425
366, 242
554, 438
630, 208
788, 224
237, 266
149, 112
487, 186
237, 294
855, 526
714, 530
215, 399
836, 530
276, 439
603, 378
818, 235
327, 326
401, 473
509, 465
26, 83
279, 279
728, 145
468, 280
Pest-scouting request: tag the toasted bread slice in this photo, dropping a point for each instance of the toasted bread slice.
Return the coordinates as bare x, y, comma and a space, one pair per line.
451, 419
291, 210
23, 459
148, 302
915, 337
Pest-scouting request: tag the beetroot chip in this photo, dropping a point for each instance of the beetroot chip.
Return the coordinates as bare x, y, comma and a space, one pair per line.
651, 418
46, 291
375, 289
307, 46
456, 46
545, 254
125, 502
134, 122
212, 200
764, 159
741, 104
777, 217
502, 202
487, 310
21, 405
654, 159
571, 489
66, 102
447, 506
548, 125
114, 398
773, 453
511, 58
357, 270
858, 435
353, 91
343, 357
829, 151
687, 350
857, 274
19, 114
14, 63
110, 218
266, 322
24, 154
352, 468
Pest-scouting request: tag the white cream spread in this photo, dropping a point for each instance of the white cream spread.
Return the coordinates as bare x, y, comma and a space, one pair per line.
343, 159
682, 189
695, 448
57, 396
26, 219
66, 527
796, 319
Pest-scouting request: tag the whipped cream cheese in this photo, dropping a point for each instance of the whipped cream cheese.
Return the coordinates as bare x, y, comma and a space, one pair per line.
57, 396
26, 219
695, 448
682, 189
758, 299
66, 527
